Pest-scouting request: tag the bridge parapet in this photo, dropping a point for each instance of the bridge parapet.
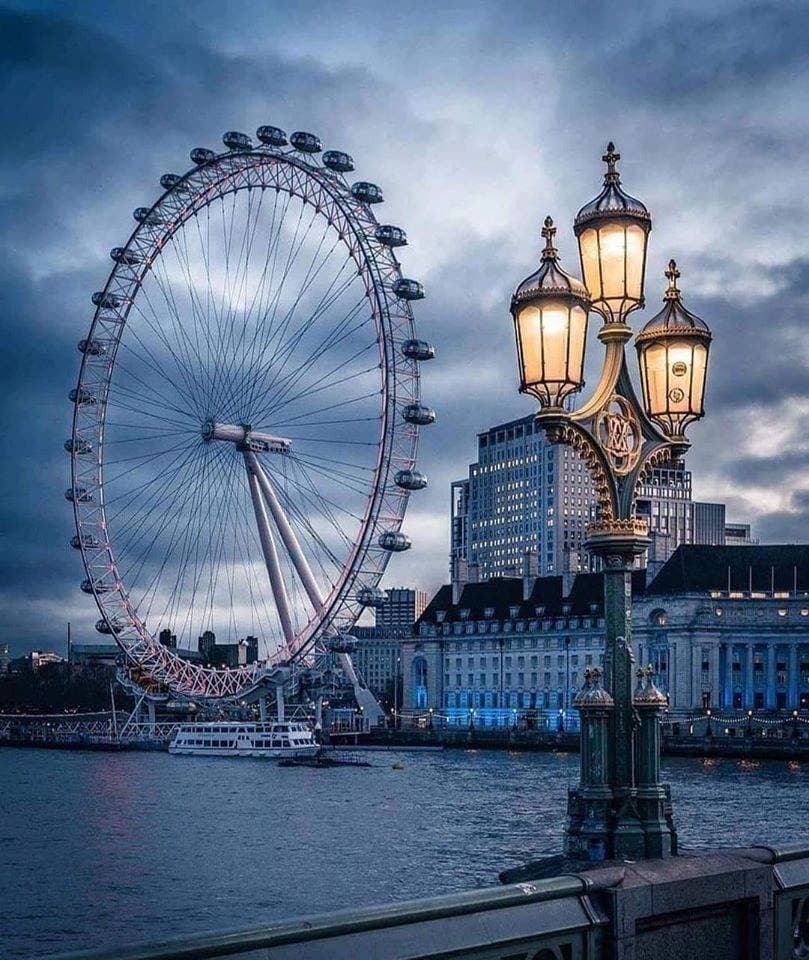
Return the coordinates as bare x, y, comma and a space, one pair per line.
746, 903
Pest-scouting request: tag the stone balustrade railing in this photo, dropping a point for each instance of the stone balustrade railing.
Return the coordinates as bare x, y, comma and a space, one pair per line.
745, 903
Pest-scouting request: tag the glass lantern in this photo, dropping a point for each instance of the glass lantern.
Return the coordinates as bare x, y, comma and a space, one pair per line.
550, 324
673, 358
613, 231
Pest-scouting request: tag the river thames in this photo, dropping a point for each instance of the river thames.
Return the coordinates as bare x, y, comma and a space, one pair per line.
100, 849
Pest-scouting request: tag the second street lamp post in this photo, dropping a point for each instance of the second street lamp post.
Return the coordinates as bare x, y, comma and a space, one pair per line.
619, 810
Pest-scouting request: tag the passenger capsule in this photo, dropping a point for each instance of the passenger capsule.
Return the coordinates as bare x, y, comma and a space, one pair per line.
343, 643
394, 542
419, 414
79, 446
418, 350
88, 586
108, 627
371, 597
410, 480
367, 192
338, 161
78, 495
201, 155
272, 136
109, 300
124, 256
390, 236
173, 181
82, 396
93, 348
407, 289
148, 216
306, 142
234, 140
88, 541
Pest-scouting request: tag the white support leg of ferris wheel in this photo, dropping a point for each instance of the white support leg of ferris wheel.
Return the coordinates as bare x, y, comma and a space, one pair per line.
287, 533
371, 710
271, 559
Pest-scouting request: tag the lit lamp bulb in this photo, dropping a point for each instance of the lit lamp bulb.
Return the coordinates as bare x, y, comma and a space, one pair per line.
550, 325
673, 358
612, 231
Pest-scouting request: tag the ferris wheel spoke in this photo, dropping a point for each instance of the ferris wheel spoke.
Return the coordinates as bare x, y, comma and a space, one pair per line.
339, 478
339, 333
207, 557
192, 388
130, 494
327, 384
151, 516
185, 347
145, 393
311, 275
243, 288
156, 530
313, 353
149, 360
193, 525
323, 505
272, 333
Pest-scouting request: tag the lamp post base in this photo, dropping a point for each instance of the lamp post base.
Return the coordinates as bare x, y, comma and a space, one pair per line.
619, 811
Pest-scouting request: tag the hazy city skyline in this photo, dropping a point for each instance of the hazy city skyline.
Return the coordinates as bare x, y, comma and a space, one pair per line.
476, 121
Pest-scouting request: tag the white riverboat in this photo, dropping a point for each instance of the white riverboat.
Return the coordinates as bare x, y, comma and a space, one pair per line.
222, 739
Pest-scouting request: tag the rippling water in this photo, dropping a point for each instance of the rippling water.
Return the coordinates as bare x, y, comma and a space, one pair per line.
104, 849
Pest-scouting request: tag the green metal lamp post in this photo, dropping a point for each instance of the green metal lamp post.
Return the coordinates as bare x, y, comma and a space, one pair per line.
620, 440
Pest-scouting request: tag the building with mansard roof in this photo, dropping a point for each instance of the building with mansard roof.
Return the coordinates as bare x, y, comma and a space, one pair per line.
724, 627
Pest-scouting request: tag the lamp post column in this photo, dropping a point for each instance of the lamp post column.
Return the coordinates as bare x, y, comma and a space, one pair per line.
617, 544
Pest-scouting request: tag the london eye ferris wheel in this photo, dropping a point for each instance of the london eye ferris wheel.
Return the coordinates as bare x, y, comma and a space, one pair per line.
246, 415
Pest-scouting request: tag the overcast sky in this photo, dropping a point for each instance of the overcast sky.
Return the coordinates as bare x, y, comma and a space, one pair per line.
477, 119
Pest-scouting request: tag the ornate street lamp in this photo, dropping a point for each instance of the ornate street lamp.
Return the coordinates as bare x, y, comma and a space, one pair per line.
620, 441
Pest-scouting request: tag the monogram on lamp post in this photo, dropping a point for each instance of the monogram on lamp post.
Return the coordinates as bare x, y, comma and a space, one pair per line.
619, 810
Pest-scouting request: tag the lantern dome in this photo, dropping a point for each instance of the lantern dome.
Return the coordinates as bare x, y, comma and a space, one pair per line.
550, 323
613, 231
550, 279
613, 199
673, 357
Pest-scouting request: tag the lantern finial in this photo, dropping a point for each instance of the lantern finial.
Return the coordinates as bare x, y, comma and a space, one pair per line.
672, 274
548, 233
611, 157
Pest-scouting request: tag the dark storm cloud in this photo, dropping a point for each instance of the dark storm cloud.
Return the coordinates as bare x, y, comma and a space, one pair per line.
478, 119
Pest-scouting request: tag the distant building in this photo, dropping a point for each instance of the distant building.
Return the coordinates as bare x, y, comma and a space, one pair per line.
725, 627
738, 535
94, 654
527, 494
709, 524
5, 659
377, 658
36, 659
225, 654
728, 628
168, 639
402, 607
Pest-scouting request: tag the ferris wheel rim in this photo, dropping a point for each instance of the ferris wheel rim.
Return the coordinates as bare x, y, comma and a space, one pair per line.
143, 648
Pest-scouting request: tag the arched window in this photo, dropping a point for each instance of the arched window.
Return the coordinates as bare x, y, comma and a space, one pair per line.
419, 685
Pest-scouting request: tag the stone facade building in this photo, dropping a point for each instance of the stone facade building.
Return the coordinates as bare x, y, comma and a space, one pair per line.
726, 627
